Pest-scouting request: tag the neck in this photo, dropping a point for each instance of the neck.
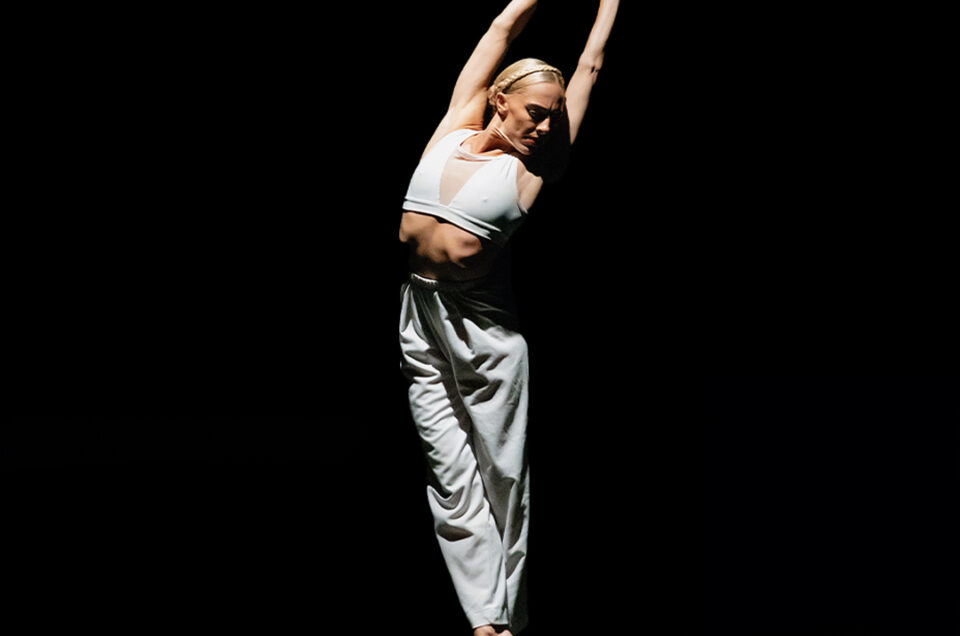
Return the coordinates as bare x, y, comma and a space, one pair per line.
492, 138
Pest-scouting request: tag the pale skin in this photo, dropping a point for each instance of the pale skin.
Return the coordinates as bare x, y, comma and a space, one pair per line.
520, 122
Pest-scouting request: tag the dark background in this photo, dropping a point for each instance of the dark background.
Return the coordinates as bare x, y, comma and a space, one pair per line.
736, 303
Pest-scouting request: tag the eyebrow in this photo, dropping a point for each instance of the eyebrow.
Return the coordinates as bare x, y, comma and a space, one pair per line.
545, 109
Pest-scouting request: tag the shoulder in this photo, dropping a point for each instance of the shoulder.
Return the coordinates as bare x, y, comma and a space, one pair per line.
449, 128
550, 162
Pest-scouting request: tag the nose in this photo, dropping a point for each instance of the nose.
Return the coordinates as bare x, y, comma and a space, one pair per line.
544, 126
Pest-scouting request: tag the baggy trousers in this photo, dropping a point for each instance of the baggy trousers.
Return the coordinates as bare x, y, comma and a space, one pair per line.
467, 367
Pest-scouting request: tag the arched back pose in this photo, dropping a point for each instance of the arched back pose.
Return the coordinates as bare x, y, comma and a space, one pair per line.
461, 351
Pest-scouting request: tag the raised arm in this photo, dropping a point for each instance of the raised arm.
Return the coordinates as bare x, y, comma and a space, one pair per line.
588, 67
469, 99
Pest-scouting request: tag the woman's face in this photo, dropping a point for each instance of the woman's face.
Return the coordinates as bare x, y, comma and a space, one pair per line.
530, 114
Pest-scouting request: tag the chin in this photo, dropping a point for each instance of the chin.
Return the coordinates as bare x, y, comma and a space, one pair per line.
523, 148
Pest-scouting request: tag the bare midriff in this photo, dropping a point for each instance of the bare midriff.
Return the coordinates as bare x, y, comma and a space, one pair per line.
443, 251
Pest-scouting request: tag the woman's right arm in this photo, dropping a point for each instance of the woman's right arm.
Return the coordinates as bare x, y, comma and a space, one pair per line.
469, 99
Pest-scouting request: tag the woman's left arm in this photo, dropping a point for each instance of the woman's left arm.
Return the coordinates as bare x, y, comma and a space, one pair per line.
591, 60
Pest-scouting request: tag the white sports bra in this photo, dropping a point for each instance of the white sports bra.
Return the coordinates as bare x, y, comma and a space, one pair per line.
477, 193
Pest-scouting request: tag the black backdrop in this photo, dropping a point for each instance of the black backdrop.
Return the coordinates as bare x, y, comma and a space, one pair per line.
216, 234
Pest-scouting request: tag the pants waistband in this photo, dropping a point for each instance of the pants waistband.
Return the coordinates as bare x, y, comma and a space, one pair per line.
445, 285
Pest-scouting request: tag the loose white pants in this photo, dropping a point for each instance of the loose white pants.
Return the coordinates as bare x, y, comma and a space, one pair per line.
467, 367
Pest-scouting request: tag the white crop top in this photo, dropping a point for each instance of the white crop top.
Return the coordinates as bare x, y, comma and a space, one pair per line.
477, 193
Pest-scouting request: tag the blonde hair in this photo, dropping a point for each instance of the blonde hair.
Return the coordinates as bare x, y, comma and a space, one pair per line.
521, 74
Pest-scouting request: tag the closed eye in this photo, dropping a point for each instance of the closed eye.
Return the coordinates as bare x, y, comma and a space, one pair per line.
539, 114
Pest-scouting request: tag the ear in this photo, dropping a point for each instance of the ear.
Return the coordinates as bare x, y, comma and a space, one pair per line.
500, 105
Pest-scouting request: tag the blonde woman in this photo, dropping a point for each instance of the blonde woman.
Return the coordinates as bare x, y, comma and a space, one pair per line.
461, 351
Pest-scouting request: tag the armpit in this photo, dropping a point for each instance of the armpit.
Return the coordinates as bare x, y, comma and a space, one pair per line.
528, 187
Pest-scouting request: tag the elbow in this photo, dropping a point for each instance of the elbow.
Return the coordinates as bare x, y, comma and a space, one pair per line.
512, 21
501, 25
503, 30
588, 68
590, 64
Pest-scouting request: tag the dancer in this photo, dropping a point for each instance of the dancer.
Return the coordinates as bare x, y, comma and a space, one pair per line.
461, 349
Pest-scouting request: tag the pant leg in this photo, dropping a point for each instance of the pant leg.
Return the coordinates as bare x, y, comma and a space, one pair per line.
480, 359
489, 361
463, 520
